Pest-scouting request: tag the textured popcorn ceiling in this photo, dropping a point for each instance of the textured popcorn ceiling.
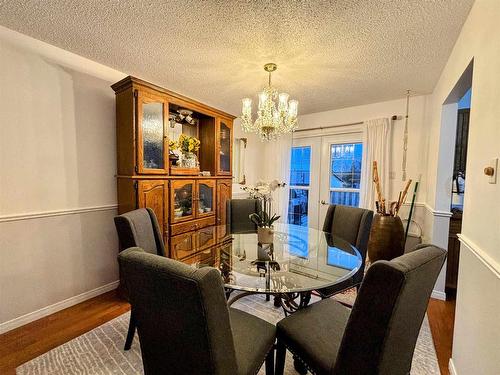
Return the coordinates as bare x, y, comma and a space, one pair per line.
330, 54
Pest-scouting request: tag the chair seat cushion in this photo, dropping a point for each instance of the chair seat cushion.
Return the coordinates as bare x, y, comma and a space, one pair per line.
315, 332
253, 339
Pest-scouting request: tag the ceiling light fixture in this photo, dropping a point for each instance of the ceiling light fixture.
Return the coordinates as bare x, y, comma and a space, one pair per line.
273, 119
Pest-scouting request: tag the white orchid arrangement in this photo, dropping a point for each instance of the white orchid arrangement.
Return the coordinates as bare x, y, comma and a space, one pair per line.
263, 191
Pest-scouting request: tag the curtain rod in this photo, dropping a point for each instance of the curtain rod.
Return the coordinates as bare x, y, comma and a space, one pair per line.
393, 118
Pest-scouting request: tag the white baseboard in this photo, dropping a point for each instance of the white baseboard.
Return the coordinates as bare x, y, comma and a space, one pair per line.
451, 367
437, 294
43, 312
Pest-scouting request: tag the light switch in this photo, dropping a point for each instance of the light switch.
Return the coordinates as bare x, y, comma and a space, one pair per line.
491, 170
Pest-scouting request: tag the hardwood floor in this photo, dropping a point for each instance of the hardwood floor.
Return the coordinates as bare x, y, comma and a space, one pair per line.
27, 342
441, 320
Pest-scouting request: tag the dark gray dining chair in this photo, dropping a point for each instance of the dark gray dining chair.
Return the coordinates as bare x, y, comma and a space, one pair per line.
238, 212
352, 224
139, 228
379, 334
184, 324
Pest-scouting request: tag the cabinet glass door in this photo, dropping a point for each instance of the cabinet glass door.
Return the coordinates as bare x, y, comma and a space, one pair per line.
223, 195
151, 134
182, 200
206, 195
224, 147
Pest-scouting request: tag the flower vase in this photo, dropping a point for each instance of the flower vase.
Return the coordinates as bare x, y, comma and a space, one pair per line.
187, 160
265, 235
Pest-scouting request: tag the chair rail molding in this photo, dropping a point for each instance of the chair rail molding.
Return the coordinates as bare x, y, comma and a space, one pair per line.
480, 254
67, 211
437, 213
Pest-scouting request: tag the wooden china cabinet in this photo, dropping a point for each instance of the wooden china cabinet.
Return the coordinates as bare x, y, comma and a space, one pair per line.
183, 202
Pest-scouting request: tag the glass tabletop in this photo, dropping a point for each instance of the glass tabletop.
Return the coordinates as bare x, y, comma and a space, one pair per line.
300, 259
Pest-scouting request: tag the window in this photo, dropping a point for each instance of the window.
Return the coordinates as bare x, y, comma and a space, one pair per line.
300, 175
345, 173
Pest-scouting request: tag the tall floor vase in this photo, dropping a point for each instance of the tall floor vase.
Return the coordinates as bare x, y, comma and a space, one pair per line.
387, 238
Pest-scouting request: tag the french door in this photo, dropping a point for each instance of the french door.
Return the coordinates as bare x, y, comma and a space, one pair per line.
304, 187
324, 170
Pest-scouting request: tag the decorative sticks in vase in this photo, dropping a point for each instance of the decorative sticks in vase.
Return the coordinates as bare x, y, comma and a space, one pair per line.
380, 204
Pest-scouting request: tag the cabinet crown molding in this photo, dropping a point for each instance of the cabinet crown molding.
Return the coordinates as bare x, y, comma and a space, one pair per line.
131, 81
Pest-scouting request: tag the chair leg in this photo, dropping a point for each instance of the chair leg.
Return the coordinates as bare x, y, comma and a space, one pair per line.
130, 333
280, 358
270, 363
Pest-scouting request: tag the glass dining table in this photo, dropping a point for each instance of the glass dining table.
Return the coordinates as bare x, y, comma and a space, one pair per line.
299, 260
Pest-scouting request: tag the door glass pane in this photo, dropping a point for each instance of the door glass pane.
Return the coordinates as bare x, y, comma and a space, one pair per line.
300, 175
297, 207
152, 133
183, 201
206, 199
345, 173
345, 198
300, 171
225, 148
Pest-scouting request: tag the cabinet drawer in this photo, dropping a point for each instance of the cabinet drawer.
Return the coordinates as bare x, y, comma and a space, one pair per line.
191, 225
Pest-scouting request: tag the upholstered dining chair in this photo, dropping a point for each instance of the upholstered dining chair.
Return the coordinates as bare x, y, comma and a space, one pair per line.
352, 224
139, 228
379, 335
237, 212
184, 324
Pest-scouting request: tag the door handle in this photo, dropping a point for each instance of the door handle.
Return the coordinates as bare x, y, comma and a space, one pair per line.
323, 202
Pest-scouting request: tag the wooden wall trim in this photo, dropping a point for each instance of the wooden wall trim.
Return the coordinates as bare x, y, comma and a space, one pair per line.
58, 306
69, 211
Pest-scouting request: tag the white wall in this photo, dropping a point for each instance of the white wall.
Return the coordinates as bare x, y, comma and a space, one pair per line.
477, 325
57, 185
417, 139
253, 158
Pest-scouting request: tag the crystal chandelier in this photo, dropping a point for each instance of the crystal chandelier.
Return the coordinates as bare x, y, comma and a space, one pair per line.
273, 119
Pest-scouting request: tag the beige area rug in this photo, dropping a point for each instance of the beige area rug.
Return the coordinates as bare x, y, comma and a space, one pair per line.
100, 351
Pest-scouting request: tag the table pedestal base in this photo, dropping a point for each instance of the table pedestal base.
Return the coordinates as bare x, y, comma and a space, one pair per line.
290, 302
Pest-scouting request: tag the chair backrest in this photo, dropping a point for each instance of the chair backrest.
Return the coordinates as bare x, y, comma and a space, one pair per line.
237, 212
139, 228
385, 320
353, 224
181, 315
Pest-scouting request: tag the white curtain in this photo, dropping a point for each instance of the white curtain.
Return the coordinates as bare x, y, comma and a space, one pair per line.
276, 166
377, 144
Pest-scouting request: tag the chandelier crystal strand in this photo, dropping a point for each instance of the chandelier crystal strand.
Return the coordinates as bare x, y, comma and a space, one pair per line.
276, 114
